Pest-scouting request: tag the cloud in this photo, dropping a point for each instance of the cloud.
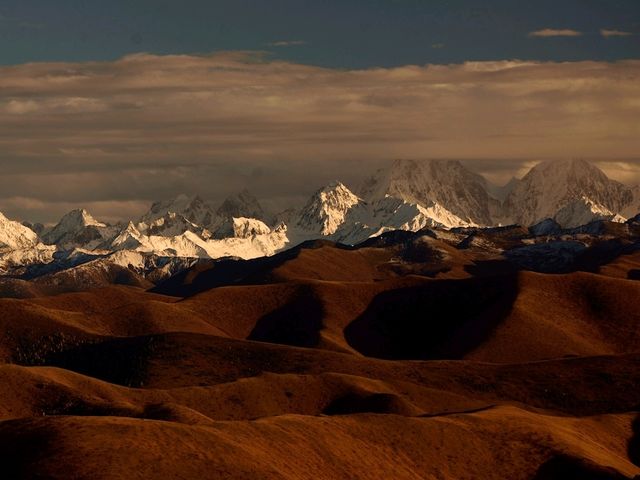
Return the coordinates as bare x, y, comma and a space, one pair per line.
552, 32
286, 43
146, 127
107, 211
614, 33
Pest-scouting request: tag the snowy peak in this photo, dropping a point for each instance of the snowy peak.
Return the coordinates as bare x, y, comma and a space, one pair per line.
241, 205
76, 229
337, 189
15, 236
408, 195
172, 224
241, 227
583, 211
444, 182
192, 208
550, 186
183, 228
327, 209
78, 218
129, 238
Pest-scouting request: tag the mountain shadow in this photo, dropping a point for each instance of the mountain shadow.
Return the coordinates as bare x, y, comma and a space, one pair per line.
634, 274
122, 361
21, 450
563, 467
444, 319
298, 323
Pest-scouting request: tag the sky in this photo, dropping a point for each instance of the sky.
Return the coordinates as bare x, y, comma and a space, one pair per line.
111, 105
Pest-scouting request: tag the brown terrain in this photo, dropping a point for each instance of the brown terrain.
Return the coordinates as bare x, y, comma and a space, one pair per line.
403, 358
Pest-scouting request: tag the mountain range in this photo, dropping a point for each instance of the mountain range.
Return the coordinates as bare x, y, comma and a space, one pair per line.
407, 195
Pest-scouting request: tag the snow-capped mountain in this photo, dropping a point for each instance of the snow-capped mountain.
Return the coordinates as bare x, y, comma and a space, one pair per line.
409, 195
337, 213
327, 209
241, 227
78, 229
583, 211
550, 186
192, 208
20, 246
389, 213
172, 224
397, 214
189, 244
192, 214
445, 183
16, 261
14, 235
242, 204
